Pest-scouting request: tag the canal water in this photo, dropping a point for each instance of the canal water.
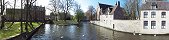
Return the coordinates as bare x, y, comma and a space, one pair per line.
88, 31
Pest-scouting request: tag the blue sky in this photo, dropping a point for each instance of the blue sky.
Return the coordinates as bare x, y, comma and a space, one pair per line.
85, 3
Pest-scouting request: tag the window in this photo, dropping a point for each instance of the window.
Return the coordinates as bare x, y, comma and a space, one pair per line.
163, 24
145, 14
145, 24
154, 5
163, 14
153, 14
153, 24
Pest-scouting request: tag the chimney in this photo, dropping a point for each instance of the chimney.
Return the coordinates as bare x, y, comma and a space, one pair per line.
118, 3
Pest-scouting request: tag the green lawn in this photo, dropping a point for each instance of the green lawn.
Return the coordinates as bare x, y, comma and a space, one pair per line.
13, 30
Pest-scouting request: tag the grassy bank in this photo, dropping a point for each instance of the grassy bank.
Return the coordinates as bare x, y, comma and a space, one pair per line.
67, 22
13, 30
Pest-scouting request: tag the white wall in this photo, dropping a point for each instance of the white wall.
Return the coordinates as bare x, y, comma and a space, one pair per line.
120, 25
136, 25
98, 12
158, 20
106, 20
127, 25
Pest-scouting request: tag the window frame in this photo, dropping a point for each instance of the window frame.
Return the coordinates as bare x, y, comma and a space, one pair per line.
163, 14
145, 24
153, 24
153, 14
145, 14
154, 5
163, 24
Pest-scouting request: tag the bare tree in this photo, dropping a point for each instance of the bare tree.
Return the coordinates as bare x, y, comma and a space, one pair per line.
3, 3
76, 7
132, 8
91, 10
66, 6
62, 6
2, 11
54, 7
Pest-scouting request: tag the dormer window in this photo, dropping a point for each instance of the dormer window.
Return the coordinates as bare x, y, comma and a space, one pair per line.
154, 5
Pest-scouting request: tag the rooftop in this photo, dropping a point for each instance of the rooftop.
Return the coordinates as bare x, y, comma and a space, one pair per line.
160, 5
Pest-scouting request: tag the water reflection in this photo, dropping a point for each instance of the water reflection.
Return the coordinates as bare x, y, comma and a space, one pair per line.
88, 31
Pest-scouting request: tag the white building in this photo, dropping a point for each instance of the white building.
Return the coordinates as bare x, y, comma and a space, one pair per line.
117, 12
155, 17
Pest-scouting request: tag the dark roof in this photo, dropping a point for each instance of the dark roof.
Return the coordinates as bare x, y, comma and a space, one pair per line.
105, 6
160, 5
111, 9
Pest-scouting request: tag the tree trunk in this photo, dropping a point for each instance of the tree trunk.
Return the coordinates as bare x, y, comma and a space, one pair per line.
2, 10
65, 17
2, 22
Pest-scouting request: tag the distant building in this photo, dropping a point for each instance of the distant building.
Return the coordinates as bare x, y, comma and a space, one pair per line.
88, 15
53, 16
116, 11
47, 17
36, 13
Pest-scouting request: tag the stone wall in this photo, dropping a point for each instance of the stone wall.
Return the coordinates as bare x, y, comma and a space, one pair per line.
121, 25
130, 26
